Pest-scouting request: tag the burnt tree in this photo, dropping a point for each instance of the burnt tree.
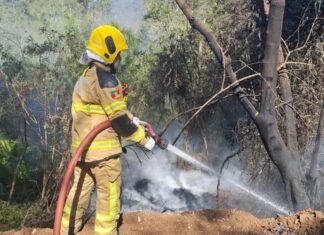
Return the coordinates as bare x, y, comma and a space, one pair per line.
312, 177
283, 152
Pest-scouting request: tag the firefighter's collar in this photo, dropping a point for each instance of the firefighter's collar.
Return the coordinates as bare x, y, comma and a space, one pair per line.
102, 66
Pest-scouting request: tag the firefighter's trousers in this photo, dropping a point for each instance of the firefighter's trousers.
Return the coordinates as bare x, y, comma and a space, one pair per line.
106, 177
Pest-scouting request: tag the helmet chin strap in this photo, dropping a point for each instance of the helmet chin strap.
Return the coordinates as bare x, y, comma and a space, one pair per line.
113, 68
116, 63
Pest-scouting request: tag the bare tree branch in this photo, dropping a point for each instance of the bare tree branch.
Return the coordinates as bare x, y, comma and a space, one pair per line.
218, 52
230, 87
30, 118
221, 172
299, 48
188, 111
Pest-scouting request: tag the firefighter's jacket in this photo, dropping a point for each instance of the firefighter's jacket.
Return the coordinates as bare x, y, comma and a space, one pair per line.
98, 96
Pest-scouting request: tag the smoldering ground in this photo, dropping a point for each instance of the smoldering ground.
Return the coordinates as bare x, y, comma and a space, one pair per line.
152, 182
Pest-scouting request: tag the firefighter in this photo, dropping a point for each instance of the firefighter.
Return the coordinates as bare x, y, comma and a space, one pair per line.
98, 95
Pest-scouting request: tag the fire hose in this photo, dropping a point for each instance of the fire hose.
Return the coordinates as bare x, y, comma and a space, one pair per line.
70, 168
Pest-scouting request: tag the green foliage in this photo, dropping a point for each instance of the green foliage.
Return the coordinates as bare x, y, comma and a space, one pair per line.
10, 153
11, 65
162, 23
11, 216
6, 148
169, 63
5, 179
40, 61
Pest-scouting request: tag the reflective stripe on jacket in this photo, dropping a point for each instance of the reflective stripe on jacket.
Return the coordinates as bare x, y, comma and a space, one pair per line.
93, 104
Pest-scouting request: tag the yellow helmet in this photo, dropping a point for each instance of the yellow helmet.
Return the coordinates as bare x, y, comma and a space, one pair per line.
107, 42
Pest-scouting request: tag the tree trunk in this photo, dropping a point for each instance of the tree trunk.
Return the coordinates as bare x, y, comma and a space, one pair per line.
278, 151
287, 98
288, 165
286, 93
14, 180
283, 159
45, 179
318, 153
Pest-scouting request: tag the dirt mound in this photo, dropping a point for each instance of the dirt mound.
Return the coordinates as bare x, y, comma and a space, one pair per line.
206, 222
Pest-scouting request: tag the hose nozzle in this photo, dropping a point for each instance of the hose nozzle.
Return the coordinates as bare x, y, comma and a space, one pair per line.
162, 143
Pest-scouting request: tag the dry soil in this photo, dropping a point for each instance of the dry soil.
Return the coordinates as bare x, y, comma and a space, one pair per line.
219, 222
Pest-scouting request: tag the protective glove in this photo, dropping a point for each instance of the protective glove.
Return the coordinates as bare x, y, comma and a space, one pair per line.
136, 121
149, 145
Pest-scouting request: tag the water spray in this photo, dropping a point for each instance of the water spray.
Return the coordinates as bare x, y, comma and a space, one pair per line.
163, 144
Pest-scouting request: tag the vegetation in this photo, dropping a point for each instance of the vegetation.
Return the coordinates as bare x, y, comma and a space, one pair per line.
12, 216
171, 70
38, 69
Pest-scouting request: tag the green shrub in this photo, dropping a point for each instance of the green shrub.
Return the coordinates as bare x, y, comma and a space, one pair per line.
12, 216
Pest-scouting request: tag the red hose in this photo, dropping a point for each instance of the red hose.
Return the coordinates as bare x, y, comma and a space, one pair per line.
69, 171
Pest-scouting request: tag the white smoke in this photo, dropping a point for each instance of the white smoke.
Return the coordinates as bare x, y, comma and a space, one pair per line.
156, 184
